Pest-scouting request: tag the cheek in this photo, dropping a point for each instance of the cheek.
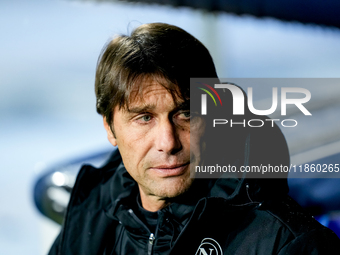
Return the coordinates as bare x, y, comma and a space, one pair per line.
133, 163
134, 151
130, 138
196, 137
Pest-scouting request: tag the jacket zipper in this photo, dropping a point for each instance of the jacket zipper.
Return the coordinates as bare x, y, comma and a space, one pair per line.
151, 241
152, 237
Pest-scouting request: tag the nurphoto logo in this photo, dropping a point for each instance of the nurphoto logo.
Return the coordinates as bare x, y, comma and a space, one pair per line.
238, 105
204, 98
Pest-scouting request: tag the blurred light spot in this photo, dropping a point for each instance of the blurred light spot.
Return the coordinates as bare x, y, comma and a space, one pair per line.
58, 179
59, 196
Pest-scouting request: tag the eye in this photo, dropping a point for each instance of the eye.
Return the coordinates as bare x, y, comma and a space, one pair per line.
186, 114
146, 118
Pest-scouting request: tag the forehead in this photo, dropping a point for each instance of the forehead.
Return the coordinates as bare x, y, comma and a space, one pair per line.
151, 90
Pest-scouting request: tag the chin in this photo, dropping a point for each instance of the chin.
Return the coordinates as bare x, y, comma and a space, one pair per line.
174, 188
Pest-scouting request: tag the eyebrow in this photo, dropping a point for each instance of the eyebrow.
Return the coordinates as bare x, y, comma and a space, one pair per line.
141, 109
150, 107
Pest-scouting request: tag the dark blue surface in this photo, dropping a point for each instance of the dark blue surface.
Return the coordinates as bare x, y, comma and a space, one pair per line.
324, 12
320, 195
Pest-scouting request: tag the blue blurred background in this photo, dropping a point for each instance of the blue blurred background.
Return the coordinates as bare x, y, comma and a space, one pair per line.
48, 55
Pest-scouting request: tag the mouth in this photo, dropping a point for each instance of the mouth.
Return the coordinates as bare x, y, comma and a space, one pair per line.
170, 170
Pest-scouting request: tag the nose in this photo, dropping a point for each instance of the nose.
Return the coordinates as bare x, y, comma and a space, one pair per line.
167, 138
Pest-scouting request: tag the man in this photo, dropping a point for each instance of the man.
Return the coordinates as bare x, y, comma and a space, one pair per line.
144, 201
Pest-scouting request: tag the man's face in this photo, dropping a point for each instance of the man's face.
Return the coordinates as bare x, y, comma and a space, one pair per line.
153, 137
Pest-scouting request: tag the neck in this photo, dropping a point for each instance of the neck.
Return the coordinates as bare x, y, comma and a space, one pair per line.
152, 203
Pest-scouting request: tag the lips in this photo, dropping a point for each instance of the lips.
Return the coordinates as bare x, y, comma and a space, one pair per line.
170, 170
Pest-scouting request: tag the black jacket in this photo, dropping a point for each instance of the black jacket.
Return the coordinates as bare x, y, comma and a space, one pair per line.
216, 216
101, 220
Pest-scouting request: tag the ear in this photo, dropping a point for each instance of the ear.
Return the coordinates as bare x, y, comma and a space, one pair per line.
110, 135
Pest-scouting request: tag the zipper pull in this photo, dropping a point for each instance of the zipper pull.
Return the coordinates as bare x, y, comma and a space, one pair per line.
151, 240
